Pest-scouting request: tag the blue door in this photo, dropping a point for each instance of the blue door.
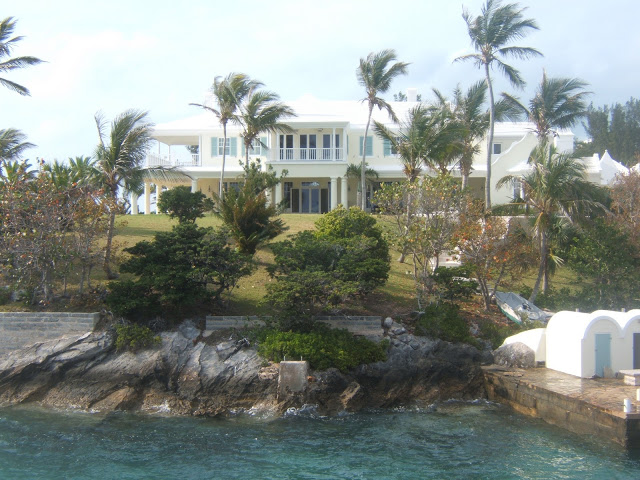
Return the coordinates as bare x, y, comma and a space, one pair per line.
603, 352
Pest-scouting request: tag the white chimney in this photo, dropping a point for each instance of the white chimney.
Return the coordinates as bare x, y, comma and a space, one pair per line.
412, 94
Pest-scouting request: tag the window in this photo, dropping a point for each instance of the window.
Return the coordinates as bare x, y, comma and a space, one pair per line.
389, 148
497, 148
257, 147
288, 186
369, 146
221, 146
232, 185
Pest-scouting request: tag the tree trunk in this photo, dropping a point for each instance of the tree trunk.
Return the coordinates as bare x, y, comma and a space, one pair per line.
363, 173
224, 158
487, 184
543, 264
107, 249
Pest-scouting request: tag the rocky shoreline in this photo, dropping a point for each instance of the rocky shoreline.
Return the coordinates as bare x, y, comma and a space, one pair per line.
188, 376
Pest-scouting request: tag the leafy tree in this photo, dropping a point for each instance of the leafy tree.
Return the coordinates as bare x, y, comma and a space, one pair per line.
120, 157
177, 272
44, 230
375, 73
181, 203
7, 43
625, 204
262, 112
491, 248
247, 213
426, 217
615, 128
555, 185
604, 256
491, 32
229, 93
558, 103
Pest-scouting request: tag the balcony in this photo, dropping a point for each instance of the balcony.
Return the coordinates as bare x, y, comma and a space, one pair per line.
309, 155
186, 160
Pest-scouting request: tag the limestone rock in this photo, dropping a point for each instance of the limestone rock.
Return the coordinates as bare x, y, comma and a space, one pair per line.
515, 355
187, 376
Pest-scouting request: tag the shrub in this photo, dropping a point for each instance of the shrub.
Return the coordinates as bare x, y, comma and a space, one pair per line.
322, 347
177, 272
134, 337
443, 321
453, 283
181, 203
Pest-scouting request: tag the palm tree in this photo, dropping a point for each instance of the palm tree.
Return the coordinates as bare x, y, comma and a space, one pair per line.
119, 160
421, 139
354, 171
262, 112
554, 186
6, 46
472, 121
229, 93
12, 144
490, 33
83, 170
558, 103
375, 73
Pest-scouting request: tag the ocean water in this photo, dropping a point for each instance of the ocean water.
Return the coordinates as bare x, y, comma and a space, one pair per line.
452, 440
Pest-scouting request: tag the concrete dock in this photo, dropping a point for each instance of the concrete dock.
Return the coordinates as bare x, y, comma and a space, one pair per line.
583, 406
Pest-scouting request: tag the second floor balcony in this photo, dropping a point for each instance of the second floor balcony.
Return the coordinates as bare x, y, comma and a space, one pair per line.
173, 160
309, 154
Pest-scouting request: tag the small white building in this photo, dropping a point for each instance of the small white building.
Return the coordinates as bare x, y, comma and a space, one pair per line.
598, 343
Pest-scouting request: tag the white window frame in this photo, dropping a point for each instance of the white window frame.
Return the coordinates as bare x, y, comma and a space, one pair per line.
221, 146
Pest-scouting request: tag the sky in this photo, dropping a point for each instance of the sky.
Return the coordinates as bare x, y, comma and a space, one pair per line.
158, 56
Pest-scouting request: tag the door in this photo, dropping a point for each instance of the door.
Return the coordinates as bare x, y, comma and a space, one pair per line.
324, 200
286, 147
636, 350
603, 352
310, 197
295, 200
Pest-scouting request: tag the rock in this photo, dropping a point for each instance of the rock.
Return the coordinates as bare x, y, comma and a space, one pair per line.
515, 355
387, 323
186, 376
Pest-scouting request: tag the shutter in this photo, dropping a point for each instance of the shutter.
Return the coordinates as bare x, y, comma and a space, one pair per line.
361, 142
387, 147
369, 146
242, 148
263, 147
233, 149
214, 146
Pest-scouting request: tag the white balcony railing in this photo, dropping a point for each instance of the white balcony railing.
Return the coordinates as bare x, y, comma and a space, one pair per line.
189, 160
309, 154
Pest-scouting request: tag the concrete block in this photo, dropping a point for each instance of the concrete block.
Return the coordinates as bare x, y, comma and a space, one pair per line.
292, 378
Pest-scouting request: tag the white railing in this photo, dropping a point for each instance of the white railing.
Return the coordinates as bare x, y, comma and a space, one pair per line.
310, 154
155, 160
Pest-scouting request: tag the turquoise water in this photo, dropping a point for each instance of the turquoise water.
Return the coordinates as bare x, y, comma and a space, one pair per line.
454, 440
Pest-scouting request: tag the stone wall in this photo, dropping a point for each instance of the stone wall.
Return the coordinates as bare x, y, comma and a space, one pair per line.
18, 329
361, 325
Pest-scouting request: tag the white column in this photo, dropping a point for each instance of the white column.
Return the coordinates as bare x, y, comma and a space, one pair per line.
268, 194
194, 185
134, 204
345, 192
279, 193
147, 198
158, 192
334, 192
333, 143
